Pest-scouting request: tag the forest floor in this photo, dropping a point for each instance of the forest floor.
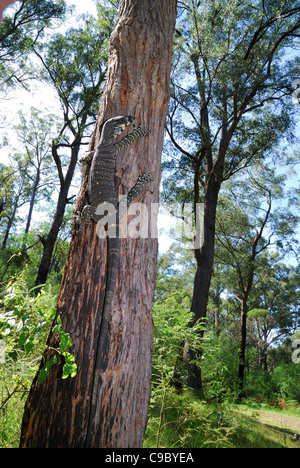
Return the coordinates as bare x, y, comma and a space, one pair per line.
183, 421
276, 427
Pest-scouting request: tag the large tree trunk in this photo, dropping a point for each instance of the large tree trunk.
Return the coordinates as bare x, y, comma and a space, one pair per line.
57, 411
205, 261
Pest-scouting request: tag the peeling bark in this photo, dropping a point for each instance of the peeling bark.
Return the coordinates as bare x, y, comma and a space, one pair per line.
57, 411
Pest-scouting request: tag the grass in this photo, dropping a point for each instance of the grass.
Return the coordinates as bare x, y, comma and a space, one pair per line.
269, 426
255, 434
183, 422
15, 381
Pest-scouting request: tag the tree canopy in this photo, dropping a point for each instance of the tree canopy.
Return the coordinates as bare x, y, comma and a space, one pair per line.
226, 312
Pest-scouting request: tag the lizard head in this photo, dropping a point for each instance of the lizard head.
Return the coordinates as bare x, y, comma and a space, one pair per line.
122, 123
116, 125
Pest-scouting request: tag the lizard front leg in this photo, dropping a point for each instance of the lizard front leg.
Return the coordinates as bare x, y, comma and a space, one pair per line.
84, 217
138, 132
87, 158
139, 187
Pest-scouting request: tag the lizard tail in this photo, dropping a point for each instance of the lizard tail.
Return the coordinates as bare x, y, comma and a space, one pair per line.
102, 350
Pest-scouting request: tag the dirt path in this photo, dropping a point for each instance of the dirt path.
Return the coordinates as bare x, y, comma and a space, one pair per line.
279, 420
279, 427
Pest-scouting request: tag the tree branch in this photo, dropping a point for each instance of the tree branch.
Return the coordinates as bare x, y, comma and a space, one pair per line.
258, 35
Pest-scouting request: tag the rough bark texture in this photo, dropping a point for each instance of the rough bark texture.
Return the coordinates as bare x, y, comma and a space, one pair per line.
57, 410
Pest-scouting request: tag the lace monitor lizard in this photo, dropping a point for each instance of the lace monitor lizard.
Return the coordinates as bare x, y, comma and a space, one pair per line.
102, 189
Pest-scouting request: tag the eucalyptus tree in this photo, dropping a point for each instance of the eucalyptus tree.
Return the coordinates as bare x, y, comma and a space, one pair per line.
34, 134
246, 228
275, 315
21, 27
74, 63
231, 106
58, 413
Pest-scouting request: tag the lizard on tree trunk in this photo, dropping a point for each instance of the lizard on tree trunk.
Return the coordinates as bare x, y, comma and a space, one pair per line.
102, 194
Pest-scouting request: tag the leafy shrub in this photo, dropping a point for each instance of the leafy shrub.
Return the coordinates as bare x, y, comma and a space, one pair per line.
25, 323
181, 421
288, 378
259, 383
171, 330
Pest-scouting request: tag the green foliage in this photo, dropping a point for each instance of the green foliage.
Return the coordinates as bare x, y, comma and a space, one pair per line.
15, 380
14, 259
219, 366
171, 318
24, 316
287, 377
260, 384
29, 18
25, 322
183, 422
75, 62
257, 313
19, 31
65, 342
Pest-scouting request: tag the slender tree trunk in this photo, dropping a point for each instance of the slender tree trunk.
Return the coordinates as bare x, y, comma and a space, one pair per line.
57, 411
242, 350
11, 220
2, 208
265, 360
31, 206
49, 243
32, 201
8, 227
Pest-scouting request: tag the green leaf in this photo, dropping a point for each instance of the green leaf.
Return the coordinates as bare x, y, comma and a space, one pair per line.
29, 346
69, 370
22, 340
65, 341
50, 314
42, 375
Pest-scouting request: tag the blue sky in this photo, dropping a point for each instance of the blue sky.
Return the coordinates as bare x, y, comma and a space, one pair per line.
43, 97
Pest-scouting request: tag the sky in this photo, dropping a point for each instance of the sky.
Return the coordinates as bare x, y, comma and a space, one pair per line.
83, 6
43, 97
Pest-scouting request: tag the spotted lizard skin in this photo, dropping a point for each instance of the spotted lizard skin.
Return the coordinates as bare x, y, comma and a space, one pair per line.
101, 190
